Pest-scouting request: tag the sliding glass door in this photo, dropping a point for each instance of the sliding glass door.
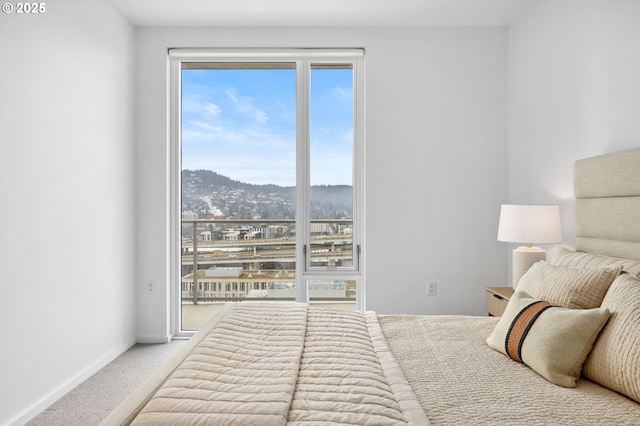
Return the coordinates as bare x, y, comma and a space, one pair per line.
268, 179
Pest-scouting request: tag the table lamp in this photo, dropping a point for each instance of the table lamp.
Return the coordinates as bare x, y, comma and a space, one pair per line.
530, 224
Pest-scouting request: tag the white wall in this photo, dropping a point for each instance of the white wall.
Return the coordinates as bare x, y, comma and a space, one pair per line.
436, 161
574, 92
436, 169
67, 218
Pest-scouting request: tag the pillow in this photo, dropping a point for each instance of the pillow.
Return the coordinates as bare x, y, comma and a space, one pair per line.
554, 341
562, 256
615, 359
577, 288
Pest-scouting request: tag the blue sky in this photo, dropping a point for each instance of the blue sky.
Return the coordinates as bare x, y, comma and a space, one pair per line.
242, 124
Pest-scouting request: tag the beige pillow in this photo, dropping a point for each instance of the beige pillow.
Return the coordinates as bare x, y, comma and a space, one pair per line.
554, 341
615, 359
562, 256
577, 288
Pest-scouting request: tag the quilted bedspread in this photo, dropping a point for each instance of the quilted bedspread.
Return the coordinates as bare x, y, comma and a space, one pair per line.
460, 380
287, 364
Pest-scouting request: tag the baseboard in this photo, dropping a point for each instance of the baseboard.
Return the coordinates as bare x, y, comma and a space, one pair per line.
45, 402
154, 339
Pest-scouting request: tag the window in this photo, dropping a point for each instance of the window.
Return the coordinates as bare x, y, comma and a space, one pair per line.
267, 177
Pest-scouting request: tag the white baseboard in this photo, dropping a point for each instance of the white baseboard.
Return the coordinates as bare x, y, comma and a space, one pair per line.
154, 339
45, 402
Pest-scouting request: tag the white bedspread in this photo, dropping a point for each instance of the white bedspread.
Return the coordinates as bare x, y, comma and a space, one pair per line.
460, 380
279, 364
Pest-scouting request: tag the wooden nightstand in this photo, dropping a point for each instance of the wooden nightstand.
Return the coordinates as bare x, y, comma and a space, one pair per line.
497, 299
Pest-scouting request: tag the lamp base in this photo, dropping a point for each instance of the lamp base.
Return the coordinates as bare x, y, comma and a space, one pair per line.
523, 258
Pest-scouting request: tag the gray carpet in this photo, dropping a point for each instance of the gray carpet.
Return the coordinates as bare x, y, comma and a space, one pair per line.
93, 400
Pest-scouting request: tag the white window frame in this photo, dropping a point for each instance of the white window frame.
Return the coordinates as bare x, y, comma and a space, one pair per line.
303, 58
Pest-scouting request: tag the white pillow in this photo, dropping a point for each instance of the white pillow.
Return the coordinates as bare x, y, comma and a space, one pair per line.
578, 288
615, 359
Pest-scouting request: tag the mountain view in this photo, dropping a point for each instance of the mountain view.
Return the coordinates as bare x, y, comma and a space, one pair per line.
208, 194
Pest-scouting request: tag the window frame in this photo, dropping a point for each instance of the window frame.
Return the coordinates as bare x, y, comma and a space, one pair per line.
304, 59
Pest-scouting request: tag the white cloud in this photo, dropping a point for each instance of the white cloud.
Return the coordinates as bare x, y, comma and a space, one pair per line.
254, 155
212, 109
342, 93
246, 105
200, 106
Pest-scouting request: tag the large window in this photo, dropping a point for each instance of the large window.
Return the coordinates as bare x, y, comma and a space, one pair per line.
267, 177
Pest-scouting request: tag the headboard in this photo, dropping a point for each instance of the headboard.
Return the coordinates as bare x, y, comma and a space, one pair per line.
607, 191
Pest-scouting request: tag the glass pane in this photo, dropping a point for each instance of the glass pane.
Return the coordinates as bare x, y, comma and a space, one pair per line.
238, 187
331, 168
337, 294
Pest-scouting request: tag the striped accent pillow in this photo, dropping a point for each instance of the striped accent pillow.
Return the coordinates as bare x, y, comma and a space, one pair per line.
554, 341
520, 326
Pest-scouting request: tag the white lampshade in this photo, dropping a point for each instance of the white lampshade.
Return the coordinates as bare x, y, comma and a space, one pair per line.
529, 224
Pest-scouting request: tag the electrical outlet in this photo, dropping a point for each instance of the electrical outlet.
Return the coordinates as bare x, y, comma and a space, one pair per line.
149, 285
431, 288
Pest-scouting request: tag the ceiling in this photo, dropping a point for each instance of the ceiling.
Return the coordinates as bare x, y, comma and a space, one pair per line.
320, 13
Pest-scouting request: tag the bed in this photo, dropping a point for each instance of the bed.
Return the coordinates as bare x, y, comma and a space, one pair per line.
566, 350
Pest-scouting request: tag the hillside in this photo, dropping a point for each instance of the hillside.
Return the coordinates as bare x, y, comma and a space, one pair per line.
208, 192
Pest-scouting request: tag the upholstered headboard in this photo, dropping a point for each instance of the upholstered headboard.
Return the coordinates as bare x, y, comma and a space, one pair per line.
607, 191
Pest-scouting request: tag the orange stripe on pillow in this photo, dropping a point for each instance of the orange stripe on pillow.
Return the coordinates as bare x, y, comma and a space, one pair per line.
520, 327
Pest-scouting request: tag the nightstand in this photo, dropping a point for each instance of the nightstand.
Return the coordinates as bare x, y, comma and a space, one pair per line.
497, 299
